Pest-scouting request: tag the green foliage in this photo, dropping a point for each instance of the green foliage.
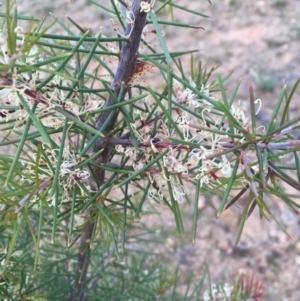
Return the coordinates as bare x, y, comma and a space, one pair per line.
73, 186
267, 83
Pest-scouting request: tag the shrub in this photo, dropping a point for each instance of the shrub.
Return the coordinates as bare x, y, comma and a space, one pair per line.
85, 147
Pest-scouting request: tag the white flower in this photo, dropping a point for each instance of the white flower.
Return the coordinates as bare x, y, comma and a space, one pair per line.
137, 165
145, 7
220, 293
239, 114
225, 166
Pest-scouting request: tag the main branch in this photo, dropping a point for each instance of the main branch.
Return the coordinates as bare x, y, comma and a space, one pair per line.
106, 124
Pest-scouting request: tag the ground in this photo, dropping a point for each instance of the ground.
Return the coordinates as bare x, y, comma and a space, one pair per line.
259, 40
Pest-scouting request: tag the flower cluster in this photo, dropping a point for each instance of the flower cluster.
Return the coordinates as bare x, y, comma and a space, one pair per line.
22, 85
197, 154
187, 96
69, 175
